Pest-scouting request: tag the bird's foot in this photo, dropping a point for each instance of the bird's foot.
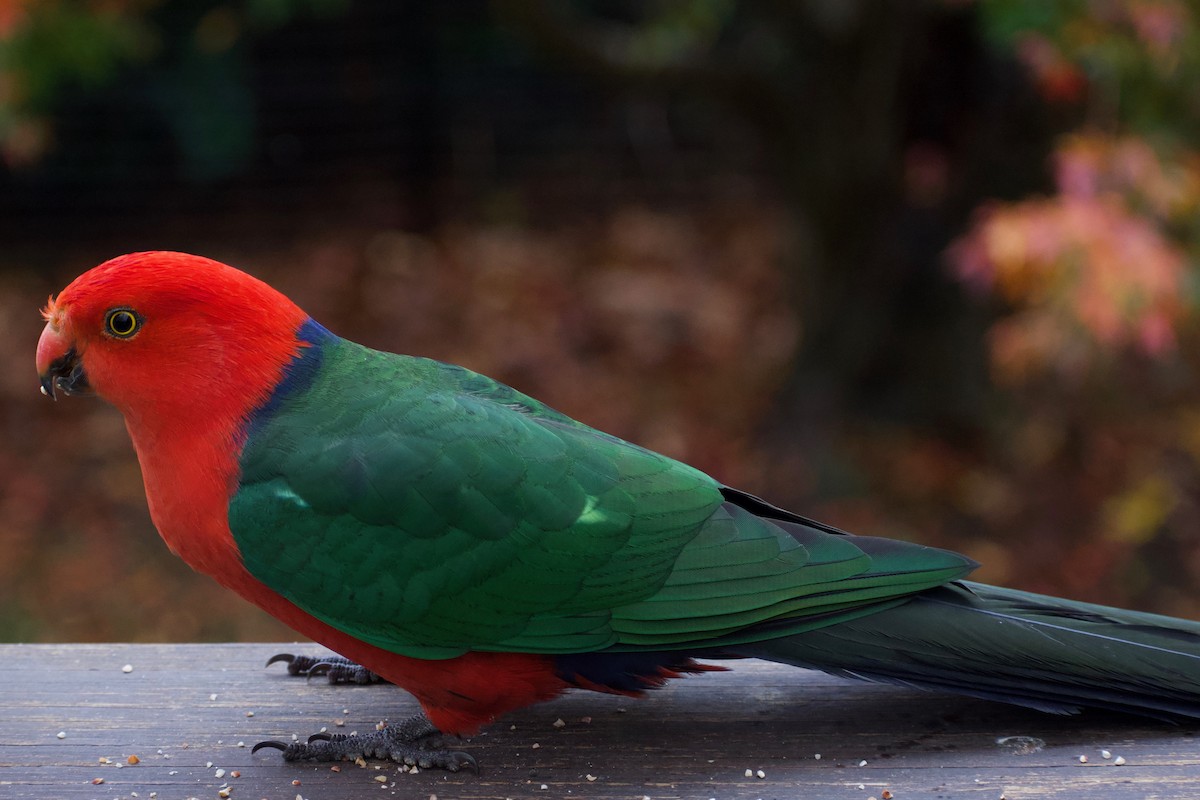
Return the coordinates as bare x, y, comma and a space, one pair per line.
336, 668
415, 742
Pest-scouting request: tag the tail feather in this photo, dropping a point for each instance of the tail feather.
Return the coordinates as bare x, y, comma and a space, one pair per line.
1001, 644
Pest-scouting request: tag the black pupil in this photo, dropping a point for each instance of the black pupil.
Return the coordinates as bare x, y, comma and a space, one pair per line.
122, 322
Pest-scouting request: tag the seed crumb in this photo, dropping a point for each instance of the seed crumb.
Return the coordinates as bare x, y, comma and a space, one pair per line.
219, 773
862, 763
1083, 759
760, 774
886, 795
249, 713
61, 734
749, 773
1105, 754
223, 793
235, 774
97, 781
133, 760
128, 668
296, 782
381, 778
1119, 760
212, 696
558, 723
534, 746
591, 778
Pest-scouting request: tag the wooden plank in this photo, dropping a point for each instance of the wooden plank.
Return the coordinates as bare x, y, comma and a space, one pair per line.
185, 712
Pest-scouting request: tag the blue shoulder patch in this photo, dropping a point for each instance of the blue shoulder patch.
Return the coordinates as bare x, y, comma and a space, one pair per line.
298, 376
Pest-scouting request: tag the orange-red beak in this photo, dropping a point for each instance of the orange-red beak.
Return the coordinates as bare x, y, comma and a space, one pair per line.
58, 364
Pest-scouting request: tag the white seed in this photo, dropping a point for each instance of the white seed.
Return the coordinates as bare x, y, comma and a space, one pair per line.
749, 773
590, 778
381, 778
127, 668
1083, 759
558, 723
760, 774
61, 734
817, 756
1105, 754
219, 773
1119, 760
862, 763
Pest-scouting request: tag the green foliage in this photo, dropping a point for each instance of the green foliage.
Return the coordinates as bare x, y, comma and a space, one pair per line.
185, 59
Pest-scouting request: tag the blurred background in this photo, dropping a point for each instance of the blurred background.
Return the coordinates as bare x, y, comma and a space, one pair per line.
919, 269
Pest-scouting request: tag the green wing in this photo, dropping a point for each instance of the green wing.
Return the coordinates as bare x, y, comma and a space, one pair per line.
431, 511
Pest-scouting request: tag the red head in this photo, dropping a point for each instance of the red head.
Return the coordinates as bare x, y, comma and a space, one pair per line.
167, 335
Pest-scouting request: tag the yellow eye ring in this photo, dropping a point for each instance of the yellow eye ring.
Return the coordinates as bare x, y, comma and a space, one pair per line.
122, 322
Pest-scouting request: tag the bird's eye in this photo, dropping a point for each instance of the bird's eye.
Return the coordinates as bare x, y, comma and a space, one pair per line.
122, 322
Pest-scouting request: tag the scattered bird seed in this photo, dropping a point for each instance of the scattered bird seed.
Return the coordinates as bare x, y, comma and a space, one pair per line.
886, 795
236, 774
249, 713
558, 723
535, 746
817, 756
212, 696
241, 744
133, 760
1119, 760
381, 778
61, 734
1105, 754
862, 763
1083, 759
219, 773
127, 668
591, 778
223, 793
760, 774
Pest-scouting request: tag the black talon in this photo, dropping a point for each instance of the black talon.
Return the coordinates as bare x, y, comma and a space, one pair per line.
414, 741
337, 668
320, 668
288, 657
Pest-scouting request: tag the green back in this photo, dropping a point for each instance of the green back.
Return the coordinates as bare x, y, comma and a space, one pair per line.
430, 511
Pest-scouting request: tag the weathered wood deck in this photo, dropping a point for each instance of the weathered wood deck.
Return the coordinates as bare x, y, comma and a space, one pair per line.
70, 717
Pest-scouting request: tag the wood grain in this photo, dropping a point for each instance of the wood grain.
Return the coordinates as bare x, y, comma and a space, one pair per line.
188, 711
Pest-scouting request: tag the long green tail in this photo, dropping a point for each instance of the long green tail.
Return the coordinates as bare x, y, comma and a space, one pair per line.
1000, 644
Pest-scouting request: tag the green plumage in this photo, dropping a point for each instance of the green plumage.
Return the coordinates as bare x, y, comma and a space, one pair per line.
430, 511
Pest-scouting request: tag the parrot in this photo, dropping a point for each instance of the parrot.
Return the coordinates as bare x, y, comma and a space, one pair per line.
448, 534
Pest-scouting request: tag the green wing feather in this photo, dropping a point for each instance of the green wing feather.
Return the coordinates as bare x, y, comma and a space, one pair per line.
430, 511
